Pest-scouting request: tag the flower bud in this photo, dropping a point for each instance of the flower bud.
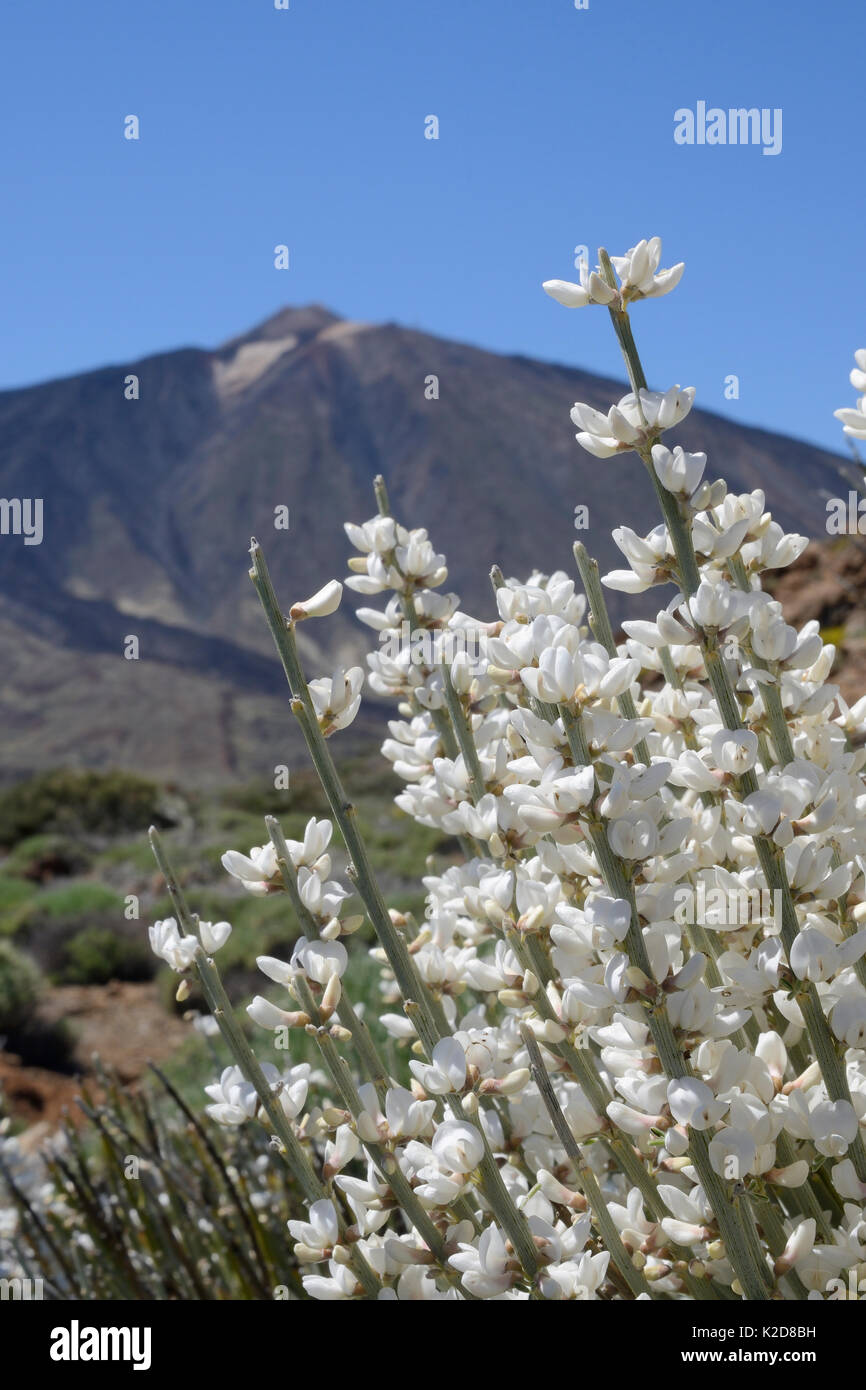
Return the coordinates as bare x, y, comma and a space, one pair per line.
323, 602
331, 997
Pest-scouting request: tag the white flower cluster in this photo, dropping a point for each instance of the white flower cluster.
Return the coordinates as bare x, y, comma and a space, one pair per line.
600, 1099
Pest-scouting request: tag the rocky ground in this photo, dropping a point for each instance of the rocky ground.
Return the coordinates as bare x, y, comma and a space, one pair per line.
123, 1023
828, 585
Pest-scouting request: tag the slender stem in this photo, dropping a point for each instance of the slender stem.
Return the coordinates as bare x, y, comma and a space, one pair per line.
463, 733
431, 1018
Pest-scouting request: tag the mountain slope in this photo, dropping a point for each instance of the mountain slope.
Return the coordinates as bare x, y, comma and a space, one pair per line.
149, 505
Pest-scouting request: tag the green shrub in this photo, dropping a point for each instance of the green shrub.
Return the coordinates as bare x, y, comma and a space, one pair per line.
14, 892
261, 798
131, 853
20, 986
73, 905
44, 923
71, 801
46, 856
97, 954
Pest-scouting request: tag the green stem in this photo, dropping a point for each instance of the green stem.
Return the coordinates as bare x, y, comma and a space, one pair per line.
431, 1019
463, 733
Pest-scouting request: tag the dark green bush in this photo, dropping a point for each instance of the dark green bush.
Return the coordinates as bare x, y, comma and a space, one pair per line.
45, 923
97, 954
14, 892
20, 986
44, 857
70, 801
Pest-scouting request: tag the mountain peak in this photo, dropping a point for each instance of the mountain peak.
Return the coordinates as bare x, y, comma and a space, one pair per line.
301, 323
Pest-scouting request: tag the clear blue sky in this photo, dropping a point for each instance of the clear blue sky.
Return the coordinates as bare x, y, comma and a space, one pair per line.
306, 127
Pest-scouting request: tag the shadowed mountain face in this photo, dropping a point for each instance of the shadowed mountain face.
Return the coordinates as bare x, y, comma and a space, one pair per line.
149, 505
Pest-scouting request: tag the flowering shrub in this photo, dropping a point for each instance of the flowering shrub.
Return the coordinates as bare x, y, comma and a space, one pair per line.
627, 1077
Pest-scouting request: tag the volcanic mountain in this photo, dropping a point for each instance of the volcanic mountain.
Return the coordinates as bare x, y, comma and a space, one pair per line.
149, 504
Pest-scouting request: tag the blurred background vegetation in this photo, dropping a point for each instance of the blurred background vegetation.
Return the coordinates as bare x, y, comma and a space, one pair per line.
78, 885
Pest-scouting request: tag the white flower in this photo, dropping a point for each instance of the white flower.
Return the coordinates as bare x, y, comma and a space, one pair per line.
556, 677
858, 374
167, 943
405, 1116
337, 699
608, 918
340, 1284
634, 836
815, 957
268, 1015
849, 1021
234, 1098
319, 1234
485, 1268
309, 852
458, 1146
376, 536
591, 290
799, 1244
714, 605
733, 1153
256, 870
854, 421
321, 897
639, 274
735, 750
771, 637
833, 1126
448, 1069
632, 422
693, 1103
214, 935
319, 960
678, 472
340, 1150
